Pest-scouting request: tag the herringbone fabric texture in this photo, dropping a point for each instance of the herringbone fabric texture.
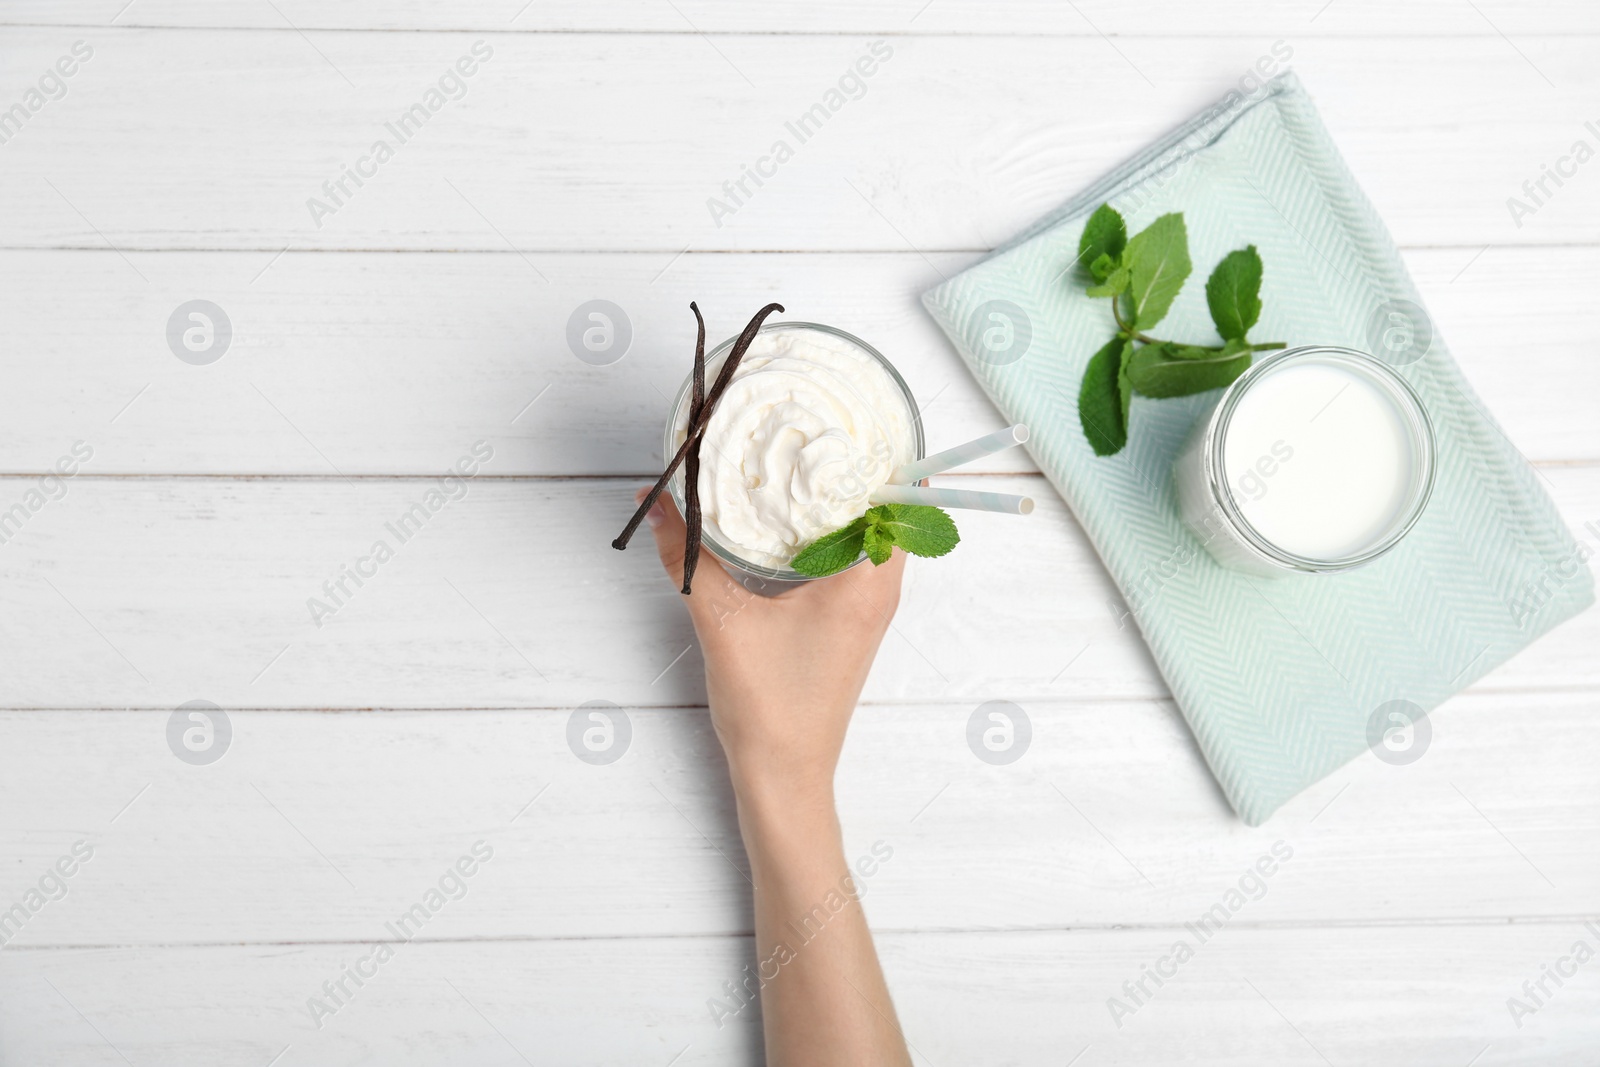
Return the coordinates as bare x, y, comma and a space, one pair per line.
1277, 678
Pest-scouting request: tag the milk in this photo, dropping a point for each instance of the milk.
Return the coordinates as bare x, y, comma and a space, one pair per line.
1316, 459
1320, 459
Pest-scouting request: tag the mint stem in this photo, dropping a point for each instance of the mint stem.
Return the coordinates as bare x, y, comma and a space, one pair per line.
1127, 330
1134, 335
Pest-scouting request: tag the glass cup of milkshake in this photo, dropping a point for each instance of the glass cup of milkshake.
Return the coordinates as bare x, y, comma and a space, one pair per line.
813, 421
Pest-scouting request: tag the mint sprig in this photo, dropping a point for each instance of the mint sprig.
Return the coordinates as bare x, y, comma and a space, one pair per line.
1233, 293
916, 528
1100, 408
1105, 234
1142, 276
1158, 264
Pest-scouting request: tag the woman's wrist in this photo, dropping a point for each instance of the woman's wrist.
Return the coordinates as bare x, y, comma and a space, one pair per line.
770, 800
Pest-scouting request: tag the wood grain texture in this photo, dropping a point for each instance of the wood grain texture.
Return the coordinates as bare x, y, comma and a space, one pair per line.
395, 364
593, 142
135, 592
430, 712
1431, 996
1365, 18
320, 826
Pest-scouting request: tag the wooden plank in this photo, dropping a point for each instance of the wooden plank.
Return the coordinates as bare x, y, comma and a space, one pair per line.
1108, 819
149, 592
1432, 996
1367, 18
396, 364
546, 149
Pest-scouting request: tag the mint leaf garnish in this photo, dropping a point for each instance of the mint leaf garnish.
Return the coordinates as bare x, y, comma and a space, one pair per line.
1158, 371
1099, 403
1116, 284
1124, 383
1104, 235
1233, 292
1143, 276
1158, 261
1173, 350
877, 544
917, 528
832, 552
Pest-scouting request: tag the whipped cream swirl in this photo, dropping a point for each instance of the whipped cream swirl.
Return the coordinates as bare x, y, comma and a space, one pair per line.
810, 425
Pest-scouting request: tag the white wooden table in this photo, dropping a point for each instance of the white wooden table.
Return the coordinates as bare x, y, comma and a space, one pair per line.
374, 344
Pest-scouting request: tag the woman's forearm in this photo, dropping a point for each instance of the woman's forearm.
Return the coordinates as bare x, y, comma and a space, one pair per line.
823, 996
783, 675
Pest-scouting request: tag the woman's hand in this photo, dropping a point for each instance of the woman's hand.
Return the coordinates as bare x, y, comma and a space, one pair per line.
782, 674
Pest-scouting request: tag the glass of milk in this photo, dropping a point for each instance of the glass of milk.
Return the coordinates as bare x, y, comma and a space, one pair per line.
812, 422
1315, 460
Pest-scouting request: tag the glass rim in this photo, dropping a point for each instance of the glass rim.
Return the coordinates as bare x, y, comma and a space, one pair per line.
669, 447
1409, 406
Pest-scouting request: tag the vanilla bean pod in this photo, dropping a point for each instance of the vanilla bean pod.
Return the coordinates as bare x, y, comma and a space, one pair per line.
691, 466
697, 427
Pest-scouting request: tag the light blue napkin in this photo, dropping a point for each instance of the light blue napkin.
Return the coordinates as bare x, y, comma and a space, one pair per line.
1278, 678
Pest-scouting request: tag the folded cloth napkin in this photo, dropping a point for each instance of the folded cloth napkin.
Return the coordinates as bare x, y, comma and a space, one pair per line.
1281, 680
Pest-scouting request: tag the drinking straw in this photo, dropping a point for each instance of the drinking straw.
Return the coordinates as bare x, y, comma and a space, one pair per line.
988, 444
952, 498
